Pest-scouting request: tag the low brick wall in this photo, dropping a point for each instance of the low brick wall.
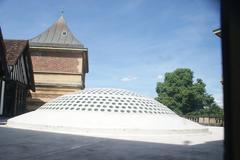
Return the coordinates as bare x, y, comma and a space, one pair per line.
211, 121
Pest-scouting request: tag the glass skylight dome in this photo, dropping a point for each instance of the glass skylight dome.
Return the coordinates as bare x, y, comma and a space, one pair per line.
103, 110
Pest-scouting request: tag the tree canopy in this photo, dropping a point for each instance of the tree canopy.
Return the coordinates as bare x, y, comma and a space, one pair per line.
184, 96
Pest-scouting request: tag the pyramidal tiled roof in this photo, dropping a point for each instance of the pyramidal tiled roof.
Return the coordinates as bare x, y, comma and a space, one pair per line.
58, 35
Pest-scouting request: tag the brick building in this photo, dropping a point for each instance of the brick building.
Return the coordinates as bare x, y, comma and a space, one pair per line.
60, 62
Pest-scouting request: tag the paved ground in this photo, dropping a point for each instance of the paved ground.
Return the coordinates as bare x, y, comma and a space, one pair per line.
35, 145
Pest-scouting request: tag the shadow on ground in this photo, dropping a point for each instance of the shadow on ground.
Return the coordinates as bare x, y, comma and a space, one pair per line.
34, 145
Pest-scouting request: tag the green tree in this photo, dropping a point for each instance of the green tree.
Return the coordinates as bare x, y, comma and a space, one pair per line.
181, 94
208, 112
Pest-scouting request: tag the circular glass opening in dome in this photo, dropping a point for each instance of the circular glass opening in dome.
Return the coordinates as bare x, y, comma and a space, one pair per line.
108, 100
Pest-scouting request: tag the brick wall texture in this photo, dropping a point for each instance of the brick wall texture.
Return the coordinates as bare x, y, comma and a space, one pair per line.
57, 62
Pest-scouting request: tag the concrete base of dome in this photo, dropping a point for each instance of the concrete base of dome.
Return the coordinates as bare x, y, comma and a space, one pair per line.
105, 124
102, 131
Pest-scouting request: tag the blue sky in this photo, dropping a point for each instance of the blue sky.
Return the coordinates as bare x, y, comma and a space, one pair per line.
131, 43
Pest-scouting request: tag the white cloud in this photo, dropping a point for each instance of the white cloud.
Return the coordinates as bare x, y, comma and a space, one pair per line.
44, 25
219, 99
160, 77
128, 78
131, 6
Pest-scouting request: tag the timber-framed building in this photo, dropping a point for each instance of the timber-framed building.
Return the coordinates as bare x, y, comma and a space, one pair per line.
60, 62
16, 76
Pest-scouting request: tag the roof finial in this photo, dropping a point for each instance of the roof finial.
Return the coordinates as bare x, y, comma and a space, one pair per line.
62, 12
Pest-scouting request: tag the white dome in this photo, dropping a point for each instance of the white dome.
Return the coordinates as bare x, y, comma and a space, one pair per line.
103, 110
107, 100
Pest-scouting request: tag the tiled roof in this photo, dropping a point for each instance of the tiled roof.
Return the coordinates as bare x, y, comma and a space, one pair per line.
58, 35
14, 48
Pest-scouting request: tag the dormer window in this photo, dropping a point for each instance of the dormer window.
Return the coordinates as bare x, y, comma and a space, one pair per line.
64, 33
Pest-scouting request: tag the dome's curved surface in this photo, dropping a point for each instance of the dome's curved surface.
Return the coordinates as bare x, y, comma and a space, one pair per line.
107, 100
103, 110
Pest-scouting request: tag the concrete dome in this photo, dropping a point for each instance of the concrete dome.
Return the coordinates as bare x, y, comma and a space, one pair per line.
103, 110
